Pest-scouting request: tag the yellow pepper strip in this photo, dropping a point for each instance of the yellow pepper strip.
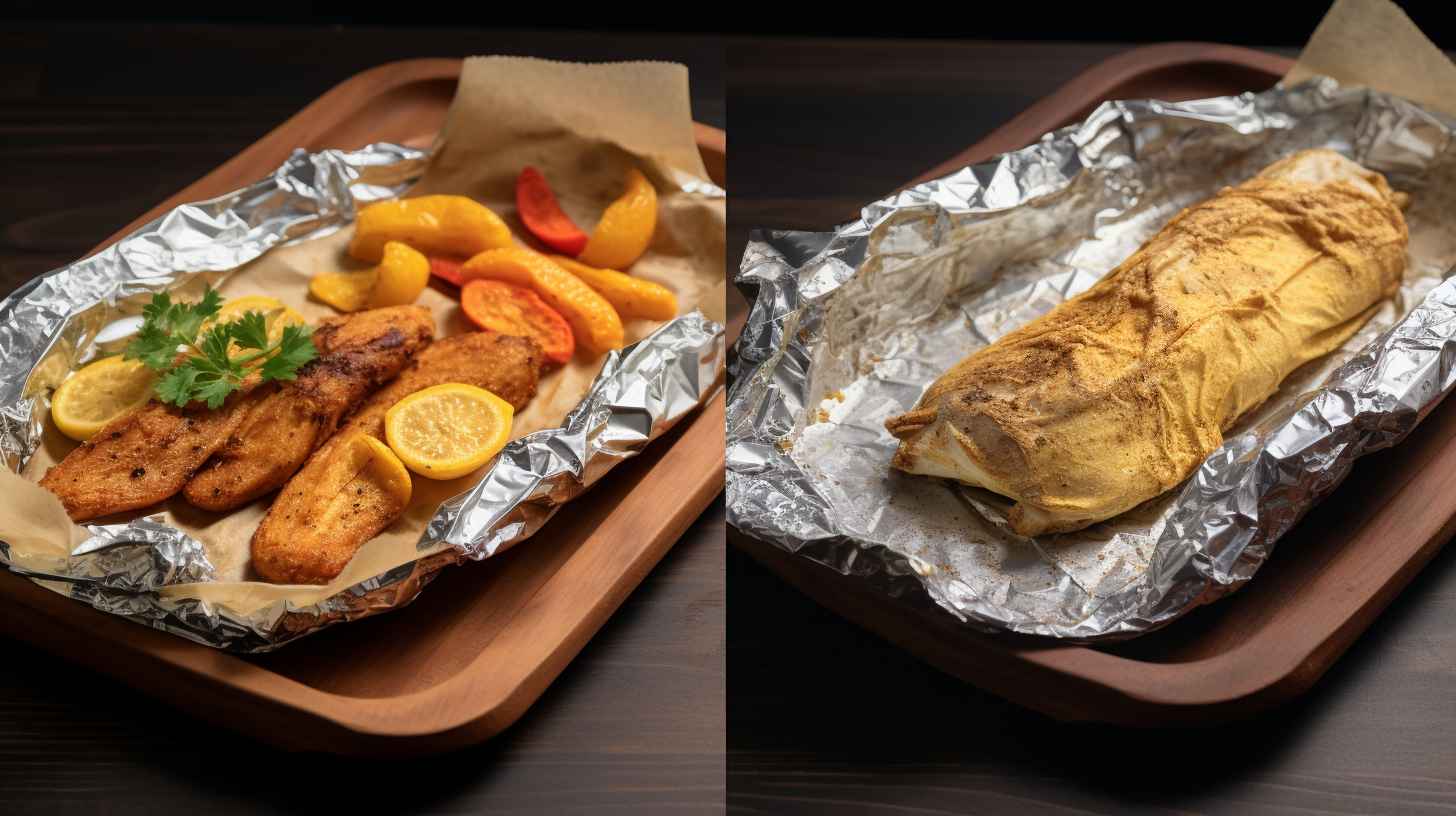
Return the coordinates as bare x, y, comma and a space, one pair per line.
435, 225
404, 272
595, 323
399, 279
345, 291
625, 230
631, 297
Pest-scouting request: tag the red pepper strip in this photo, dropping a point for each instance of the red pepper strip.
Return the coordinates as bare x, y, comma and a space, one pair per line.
447, 269
543, 216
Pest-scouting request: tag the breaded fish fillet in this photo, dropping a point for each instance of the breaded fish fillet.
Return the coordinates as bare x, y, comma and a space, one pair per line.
356, 488
147, 455
1118, 394
310, 533
506, 366
358, 353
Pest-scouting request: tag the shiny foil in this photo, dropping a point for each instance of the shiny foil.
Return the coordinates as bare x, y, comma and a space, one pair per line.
58, 322
848, 328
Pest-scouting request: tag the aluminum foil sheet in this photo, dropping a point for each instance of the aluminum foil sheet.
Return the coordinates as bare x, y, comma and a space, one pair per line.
848, 328
60, 321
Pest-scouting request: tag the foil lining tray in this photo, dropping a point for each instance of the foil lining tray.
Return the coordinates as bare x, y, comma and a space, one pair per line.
59, 321
848, 328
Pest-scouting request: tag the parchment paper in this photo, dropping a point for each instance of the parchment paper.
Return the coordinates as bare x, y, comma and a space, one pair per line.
1373, 44
583, 126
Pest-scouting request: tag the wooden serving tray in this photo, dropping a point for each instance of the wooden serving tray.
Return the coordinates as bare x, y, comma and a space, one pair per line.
1328, 579
483, 640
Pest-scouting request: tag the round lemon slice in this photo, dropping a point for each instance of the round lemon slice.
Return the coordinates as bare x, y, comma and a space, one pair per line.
275, 315
274, 312
99, 393
449, 430
235, 307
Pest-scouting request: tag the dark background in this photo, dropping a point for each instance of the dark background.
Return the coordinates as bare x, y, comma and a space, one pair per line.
1241, 22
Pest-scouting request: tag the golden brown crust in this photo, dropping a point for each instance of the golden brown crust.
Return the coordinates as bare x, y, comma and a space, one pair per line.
316, 524
507, 366
146, 456
1116, 395
358, 353
307, 536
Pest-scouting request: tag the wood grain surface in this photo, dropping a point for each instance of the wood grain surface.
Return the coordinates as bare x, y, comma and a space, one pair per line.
847, 723
91, 143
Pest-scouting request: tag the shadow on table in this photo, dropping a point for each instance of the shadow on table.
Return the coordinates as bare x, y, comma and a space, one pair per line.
72, 738
820, 711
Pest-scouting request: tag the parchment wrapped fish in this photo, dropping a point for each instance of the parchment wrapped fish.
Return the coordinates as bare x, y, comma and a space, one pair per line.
1118, 394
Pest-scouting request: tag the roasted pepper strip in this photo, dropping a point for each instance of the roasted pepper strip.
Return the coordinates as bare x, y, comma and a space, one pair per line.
403, 275
446, 269
626, 227
543, 216
631, 297
502, 307
436, 224
595, 323
345, 291
399, 279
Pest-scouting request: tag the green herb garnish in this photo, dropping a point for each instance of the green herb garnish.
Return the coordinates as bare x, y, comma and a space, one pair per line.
196, 365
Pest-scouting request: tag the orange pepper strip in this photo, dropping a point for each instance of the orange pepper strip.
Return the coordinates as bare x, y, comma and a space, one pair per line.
631, 297
500, 307
626, 227
597, 325
543, 216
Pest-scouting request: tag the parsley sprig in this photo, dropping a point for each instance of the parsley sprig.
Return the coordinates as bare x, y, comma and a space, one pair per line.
199, 365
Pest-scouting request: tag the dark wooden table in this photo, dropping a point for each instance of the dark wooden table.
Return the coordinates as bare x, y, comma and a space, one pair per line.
101, 123
825, 718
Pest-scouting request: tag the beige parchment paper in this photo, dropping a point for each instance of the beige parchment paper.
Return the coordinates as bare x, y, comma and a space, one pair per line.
1373, 44
583, 126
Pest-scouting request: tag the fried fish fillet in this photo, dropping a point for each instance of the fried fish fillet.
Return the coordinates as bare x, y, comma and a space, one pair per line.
311, 532
506, 366
145, 457
358, 353
373, 329
1118, 394
148, 455
356, 488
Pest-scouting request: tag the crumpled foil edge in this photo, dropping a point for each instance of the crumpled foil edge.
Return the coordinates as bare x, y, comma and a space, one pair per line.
52, 322
1233, 510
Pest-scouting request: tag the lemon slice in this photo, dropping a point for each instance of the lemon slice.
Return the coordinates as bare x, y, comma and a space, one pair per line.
449, 430
385, 469
233, 308
274, 312
99, 393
